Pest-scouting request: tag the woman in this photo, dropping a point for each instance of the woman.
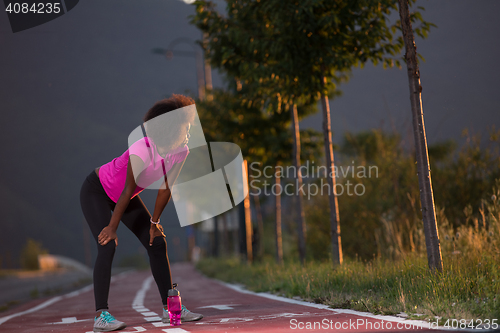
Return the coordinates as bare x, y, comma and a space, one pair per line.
115, 187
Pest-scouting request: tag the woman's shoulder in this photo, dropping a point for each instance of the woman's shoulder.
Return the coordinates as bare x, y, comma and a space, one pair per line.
147, 141
144, 148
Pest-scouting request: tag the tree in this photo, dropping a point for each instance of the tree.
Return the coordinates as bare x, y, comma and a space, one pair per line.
278, 239
272, 89
300, 50
261, 133
423, 168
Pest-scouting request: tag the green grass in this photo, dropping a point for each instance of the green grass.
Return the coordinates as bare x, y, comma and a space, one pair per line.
468, 288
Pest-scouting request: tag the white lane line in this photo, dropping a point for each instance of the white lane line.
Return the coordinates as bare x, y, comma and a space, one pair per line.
277, 298
235, 320
57, 299
160, 324
241, 320
137, 329
142, 309
80, 291
141, 293
69, 320
220, 307
285, 315
148, 314
36, 308
138, 303
174, 330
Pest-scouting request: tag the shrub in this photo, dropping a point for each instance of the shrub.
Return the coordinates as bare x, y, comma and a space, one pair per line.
29, 254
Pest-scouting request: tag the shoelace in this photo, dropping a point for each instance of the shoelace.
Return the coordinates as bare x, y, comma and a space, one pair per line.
107, 317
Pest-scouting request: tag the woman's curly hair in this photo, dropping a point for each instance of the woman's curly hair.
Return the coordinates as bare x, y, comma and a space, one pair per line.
169, 134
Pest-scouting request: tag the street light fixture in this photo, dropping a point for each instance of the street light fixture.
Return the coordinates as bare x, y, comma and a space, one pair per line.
170, 52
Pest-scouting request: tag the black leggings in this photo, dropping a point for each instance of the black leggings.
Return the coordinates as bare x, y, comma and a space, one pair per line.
97, 207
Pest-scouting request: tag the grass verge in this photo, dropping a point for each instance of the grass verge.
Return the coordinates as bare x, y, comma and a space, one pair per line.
468, 288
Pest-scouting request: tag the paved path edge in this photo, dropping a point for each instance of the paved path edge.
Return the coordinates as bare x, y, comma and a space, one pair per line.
419, 323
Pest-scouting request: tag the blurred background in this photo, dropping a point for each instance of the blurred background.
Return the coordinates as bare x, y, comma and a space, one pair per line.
71, 91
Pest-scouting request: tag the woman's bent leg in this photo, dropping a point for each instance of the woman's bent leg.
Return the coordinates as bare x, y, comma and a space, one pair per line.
96, 207
102, 274
136, 218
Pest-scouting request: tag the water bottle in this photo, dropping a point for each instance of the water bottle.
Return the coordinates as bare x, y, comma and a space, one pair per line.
174, 305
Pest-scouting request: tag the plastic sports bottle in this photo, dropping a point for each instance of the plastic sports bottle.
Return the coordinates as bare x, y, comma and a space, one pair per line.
174, 305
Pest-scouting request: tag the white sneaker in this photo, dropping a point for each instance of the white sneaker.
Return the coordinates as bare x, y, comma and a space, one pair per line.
186, 316
107, 323
166, 317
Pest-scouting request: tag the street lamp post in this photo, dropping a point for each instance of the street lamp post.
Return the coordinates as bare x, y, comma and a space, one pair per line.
170, 52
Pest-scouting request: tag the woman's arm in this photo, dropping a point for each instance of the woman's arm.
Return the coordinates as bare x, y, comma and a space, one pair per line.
162, 199
109, 233
164, 193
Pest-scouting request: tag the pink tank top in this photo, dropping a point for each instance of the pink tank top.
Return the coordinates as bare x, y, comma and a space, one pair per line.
114, 174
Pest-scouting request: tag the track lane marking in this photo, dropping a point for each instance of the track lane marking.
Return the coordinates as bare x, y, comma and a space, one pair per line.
219, 307
36, 308
69, 320
175, 330
58, 298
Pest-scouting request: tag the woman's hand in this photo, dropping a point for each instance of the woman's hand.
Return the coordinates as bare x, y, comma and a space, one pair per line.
155, 230
107, 235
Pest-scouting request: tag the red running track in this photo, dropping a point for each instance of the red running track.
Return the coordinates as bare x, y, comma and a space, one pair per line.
135, 300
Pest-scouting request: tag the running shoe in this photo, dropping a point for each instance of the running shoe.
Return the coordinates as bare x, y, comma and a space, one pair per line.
107, 323
165, 318
186, 315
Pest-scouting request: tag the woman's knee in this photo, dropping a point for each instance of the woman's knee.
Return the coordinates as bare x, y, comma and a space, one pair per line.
159, 246
106, 250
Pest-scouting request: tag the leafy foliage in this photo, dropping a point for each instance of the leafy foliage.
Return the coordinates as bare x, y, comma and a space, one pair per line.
464, 180
29, 254
386, 220
295, 52
287, 47
263, 135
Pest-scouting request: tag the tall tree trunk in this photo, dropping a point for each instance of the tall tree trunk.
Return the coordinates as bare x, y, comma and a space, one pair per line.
208, 73
301, 222
424, 173
279, 241
200, 75
248, 217
260, 224
337, 257
225, 235
216, 236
